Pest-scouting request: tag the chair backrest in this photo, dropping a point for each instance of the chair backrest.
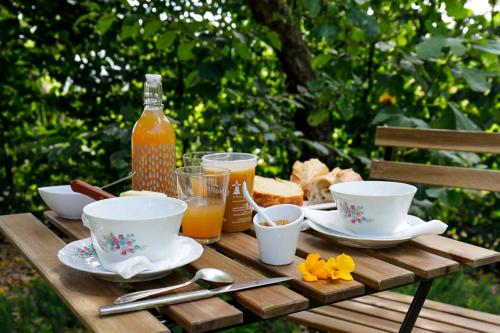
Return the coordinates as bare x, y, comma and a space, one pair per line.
466, 141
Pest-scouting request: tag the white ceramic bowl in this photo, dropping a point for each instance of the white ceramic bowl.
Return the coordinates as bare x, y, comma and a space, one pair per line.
126, 227
373, 208
277, 245
62, 200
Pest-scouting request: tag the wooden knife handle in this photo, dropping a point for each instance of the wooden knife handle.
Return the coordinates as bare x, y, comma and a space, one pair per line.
89, 190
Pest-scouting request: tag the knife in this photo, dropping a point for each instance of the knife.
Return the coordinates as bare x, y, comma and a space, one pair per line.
187, 296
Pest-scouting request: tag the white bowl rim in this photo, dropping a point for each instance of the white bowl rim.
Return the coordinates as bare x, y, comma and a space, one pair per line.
286, 226
180, 210
334, 189
53, 190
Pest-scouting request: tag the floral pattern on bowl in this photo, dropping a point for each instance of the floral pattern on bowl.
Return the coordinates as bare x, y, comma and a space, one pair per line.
354, 213
124, 244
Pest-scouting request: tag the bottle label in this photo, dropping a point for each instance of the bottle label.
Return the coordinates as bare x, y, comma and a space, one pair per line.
154, 166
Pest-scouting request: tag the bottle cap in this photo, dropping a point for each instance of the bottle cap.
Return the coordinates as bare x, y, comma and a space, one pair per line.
153, 77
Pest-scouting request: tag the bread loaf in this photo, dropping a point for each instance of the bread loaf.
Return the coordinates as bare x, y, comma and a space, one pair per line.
303, 173
320, 192
268, 192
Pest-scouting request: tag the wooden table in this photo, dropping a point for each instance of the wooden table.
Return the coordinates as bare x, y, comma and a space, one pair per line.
419, 260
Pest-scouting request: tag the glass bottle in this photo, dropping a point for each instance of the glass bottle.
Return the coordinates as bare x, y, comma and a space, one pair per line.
153, 144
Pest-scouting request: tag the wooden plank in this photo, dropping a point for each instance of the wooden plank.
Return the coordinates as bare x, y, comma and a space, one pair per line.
358, 308
82, 294
424, 264
266, 302
245, 248
363, 318
71, 228
459, 321
330, 324
199, 316
488, 180
442, 307
479, 142
466, 254
371, 271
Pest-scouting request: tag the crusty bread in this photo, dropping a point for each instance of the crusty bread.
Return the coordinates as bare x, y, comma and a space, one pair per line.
347, 175
319, 191
269, 192
303, 173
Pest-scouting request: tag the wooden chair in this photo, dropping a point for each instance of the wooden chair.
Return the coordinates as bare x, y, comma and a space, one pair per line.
385, 311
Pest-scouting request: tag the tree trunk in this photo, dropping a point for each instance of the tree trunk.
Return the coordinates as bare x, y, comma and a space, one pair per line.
296, 61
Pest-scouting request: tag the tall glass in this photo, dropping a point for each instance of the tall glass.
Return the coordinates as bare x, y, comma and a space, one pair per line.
194, 158
238, 215
204, 189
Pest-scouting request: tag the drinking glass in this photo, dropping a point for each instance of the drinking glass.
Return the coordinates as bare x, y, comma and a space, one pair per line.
194, 158
204, 189
238, 215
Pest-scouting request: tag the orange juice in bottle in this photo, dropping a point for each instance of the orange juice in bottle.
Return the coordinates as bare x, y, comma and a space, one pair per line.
153, 144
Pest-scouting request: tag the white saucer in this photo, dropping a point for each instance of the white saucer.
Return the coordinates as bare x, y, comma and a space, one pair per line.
338, 232
324, 205
80, 255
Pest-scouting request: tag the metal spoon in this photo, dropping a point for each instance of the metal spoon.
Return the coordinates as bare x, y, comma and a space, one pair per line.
206, 274
119, 180
254, 205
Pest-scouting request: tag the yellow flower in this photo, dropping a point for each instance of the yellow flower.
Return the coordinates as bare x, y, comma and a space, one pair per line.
315, 268
341, 267
307, 268
387, 99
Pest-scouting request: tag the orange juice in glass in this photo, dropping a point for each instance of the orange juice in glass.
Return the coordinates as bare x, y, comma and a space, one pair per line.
204, 190
238, 214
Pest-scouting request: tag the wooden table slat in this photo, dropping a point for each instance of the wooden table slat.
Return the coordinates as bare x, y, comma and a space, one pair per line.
365, 319
466, 254
396, 316
466, 323
266, 302
325, 323
369, 270
443, 307
245, 248
82, 293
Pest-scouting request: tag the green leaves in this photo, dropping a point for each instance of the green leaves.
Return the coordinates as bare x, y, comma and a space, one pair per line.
476, 80
274, 39
461, 120
329, 32
314, 7
364, 21
243, 51
165, 40
151, 27
491, 46
456, 46
317, 116
456, 9
431, 47
184, 51
130, 27
105, 22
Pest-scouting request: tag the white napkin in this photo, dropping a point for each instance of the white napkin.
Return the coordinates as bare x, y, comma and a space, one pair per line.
131, 266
